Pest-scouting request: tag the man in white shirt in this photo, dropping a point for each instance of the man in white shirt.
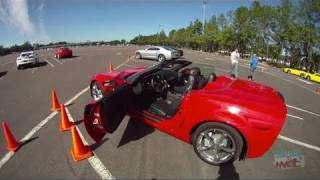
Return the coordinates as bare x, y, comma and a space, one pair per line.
235, 57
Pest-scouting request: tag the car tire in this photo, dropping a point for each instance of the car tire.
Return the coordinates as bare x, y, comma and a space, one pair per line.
308, 78
231, 138
18, 67
58, 56
96, 91
161, 58
138, 56
288, 71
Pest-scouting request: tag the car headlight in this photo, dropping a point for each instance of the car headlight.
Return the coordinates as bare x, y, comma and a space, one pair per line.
109, 83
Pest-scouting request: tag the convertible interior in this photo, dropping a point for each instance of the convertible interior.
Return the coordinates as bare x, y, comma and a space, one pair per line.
161, 93
158, 90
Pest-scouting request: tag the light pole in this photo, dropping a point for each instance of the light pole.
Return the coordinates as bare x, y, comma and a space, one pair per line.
204, 2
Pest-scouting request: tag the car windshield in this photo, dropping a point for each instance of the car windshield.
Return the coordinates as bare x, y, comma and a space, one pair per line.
170, 65
169, 48
26, 54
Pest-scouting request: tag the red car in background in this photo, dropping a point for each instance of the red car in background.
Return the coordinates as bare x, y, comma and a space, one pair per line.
63, 52
223, 118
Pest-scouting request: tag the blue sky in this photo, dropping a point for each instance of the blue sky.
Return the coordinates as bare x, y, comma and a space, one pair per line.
81, 20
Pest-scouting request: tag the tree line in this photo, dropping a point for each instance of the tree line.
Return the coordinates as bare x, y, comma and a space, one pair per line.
288, 32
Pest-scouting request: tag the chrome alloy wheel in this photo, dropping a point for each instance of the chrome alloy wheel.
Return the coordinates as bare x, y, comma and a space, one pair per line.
96, 92
216, 145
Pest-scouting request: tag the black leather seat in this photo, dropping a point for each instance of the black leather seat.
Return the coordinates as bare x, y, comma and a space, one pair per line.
163, 108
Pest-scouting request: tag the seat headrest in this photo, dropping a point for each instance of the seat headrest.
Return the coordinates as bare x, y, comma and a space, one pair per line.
212, 77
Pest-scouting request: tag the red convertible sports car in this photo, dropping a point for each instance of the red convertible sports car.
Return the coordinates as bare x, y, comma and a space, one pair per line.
63, 52
224, 119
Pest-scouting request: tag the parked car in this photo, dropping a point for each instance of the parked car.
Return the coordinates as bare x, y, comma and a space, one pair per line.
312, 76
296, 72
27, 58
223, 118
157, 52
63, 52
180, 51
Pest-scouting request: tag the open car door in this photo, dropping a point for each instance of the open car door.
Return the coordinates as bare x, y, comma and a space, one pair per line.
104, 116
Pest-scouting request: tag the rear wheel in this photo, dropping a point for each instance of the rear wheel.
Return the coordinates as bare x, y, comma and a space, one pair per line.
308, 77
97, 92
217, 143
161, 58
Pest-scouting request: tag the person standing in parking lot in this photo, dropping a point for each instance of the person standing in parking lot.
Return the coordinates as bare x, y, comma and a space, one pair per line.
253, 66
235, 57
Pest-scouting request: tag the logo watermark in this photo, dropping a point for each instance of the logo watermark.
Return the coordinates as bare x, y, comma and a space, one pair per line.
288, 159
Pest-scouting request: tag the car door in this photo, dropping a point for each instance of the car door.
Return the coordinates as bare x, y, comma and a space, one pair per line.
104, 116
155, 53
152, 53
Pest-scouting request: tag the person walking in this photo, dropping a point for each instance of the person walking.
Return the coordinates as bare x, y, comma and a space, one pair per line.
235, 57
253, 66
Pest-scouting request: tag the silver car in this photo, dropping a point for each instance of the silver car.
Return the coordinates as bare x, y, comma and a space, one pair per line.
157, 52
27, 58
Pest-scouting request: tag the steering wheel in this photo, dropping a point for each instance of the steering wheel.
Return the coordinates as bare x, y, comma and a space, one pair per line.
158, 83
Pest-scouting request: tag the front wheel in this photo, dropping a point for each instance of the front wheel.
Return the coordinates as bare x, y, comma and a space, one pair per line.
308, 78
161, 58
217, 143
97, 92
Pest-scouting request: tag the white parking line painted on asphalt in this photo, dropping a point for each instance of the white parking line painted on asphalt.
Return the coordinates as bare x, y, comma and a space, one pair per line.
297, 117
27, 137
94, 161
50, 63
309, 146
307, 82
37, 128
9, 154
57, 60
303, 110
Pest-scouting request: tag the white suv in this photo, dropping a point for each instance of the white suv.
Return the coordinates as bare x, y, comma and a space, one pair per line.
157, 52
27, 58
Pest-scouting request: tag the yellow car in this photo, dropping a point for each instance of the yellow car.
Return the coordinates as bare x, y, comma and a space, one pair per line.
313, 77
294, 71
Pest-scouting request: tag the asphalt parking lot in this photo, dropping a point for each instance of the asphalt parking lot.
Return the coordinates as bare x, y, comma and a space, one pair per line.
136, 150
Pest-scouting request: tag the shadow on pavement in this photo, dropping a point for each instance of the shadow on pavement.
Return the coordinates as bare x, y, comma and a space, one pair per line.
135, 130
28, 141
3, 73
98, 144
228, 171
78, 122
40, 64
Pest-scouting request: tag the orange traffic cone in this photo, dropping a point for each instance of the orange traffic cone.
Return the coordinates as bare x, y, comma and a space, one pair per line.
55, 102
110, 68
79, 151
12, 144
65, 123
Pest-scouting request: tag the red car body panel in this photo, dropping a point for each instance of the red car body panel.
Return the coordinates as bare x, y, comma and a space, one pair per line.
256, 111
63, 52
118, 77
